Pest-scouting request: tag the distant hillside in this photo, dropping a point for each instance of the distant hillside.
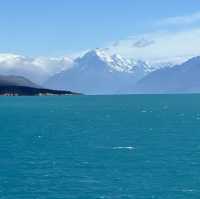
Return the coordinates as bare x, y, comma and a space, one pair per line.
30, 91
12, 80
184, 78
20, 86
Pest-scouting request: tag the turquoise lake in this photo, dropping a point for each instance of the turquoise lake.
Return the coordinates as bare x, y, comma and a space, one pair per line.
100, 147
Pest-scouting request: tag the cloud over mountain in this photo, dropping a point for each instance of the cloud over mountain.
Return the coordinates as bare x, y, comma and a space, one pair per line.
165, 46
37, 69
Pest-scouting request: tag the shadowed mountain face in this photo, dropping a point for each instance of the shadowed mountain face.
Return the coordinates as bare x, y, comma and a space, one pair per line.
184, 78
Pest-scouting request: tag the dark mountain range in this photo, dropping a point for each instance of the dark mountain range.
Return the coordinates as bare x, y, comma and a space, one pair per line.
12, 80
20, 86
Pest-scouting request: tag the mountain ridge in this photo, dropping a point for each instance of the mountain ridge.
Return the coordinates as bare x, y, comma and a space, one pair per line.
183, 78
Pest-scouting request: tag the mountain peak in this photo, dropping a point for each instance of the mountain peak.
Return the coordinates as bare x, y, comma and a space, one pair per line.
114, 62
98, 54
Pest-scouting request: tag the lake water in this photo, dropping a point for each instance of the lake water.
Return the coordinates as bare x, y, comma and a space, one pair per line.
100, 147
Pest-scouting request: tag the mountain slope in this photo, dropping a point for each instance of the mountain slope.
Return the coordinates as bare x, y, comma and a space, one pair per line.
99, 73
12, 80
17, 85
184, 78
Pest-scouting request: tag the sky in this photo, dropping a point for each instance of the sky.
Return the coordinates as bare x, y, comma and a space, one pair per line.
142, 29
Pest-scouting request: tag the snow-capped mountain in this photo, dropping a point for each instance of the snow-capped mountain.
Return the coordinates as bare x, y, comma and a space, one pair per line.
100, 59
183, 78
98, 72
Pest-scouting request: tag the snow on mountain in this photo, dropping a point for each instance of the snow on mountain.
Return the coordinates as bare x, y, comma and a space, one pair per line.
114, 62
37, 69
166, 63
98, 72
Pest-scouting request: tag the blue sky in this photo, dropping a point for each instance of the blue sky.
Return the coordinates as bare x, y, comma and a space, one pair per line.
59, 27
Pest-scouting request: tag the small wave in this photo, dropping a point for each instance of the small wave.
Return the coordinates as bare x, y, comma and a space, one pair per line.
165, 107
181, 115
190, 190
121, 147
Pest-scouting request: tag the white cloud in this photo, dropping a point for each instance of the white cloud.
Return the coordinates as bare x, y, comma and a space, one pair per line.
173, 45
181, 20
166, 46
36, 69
